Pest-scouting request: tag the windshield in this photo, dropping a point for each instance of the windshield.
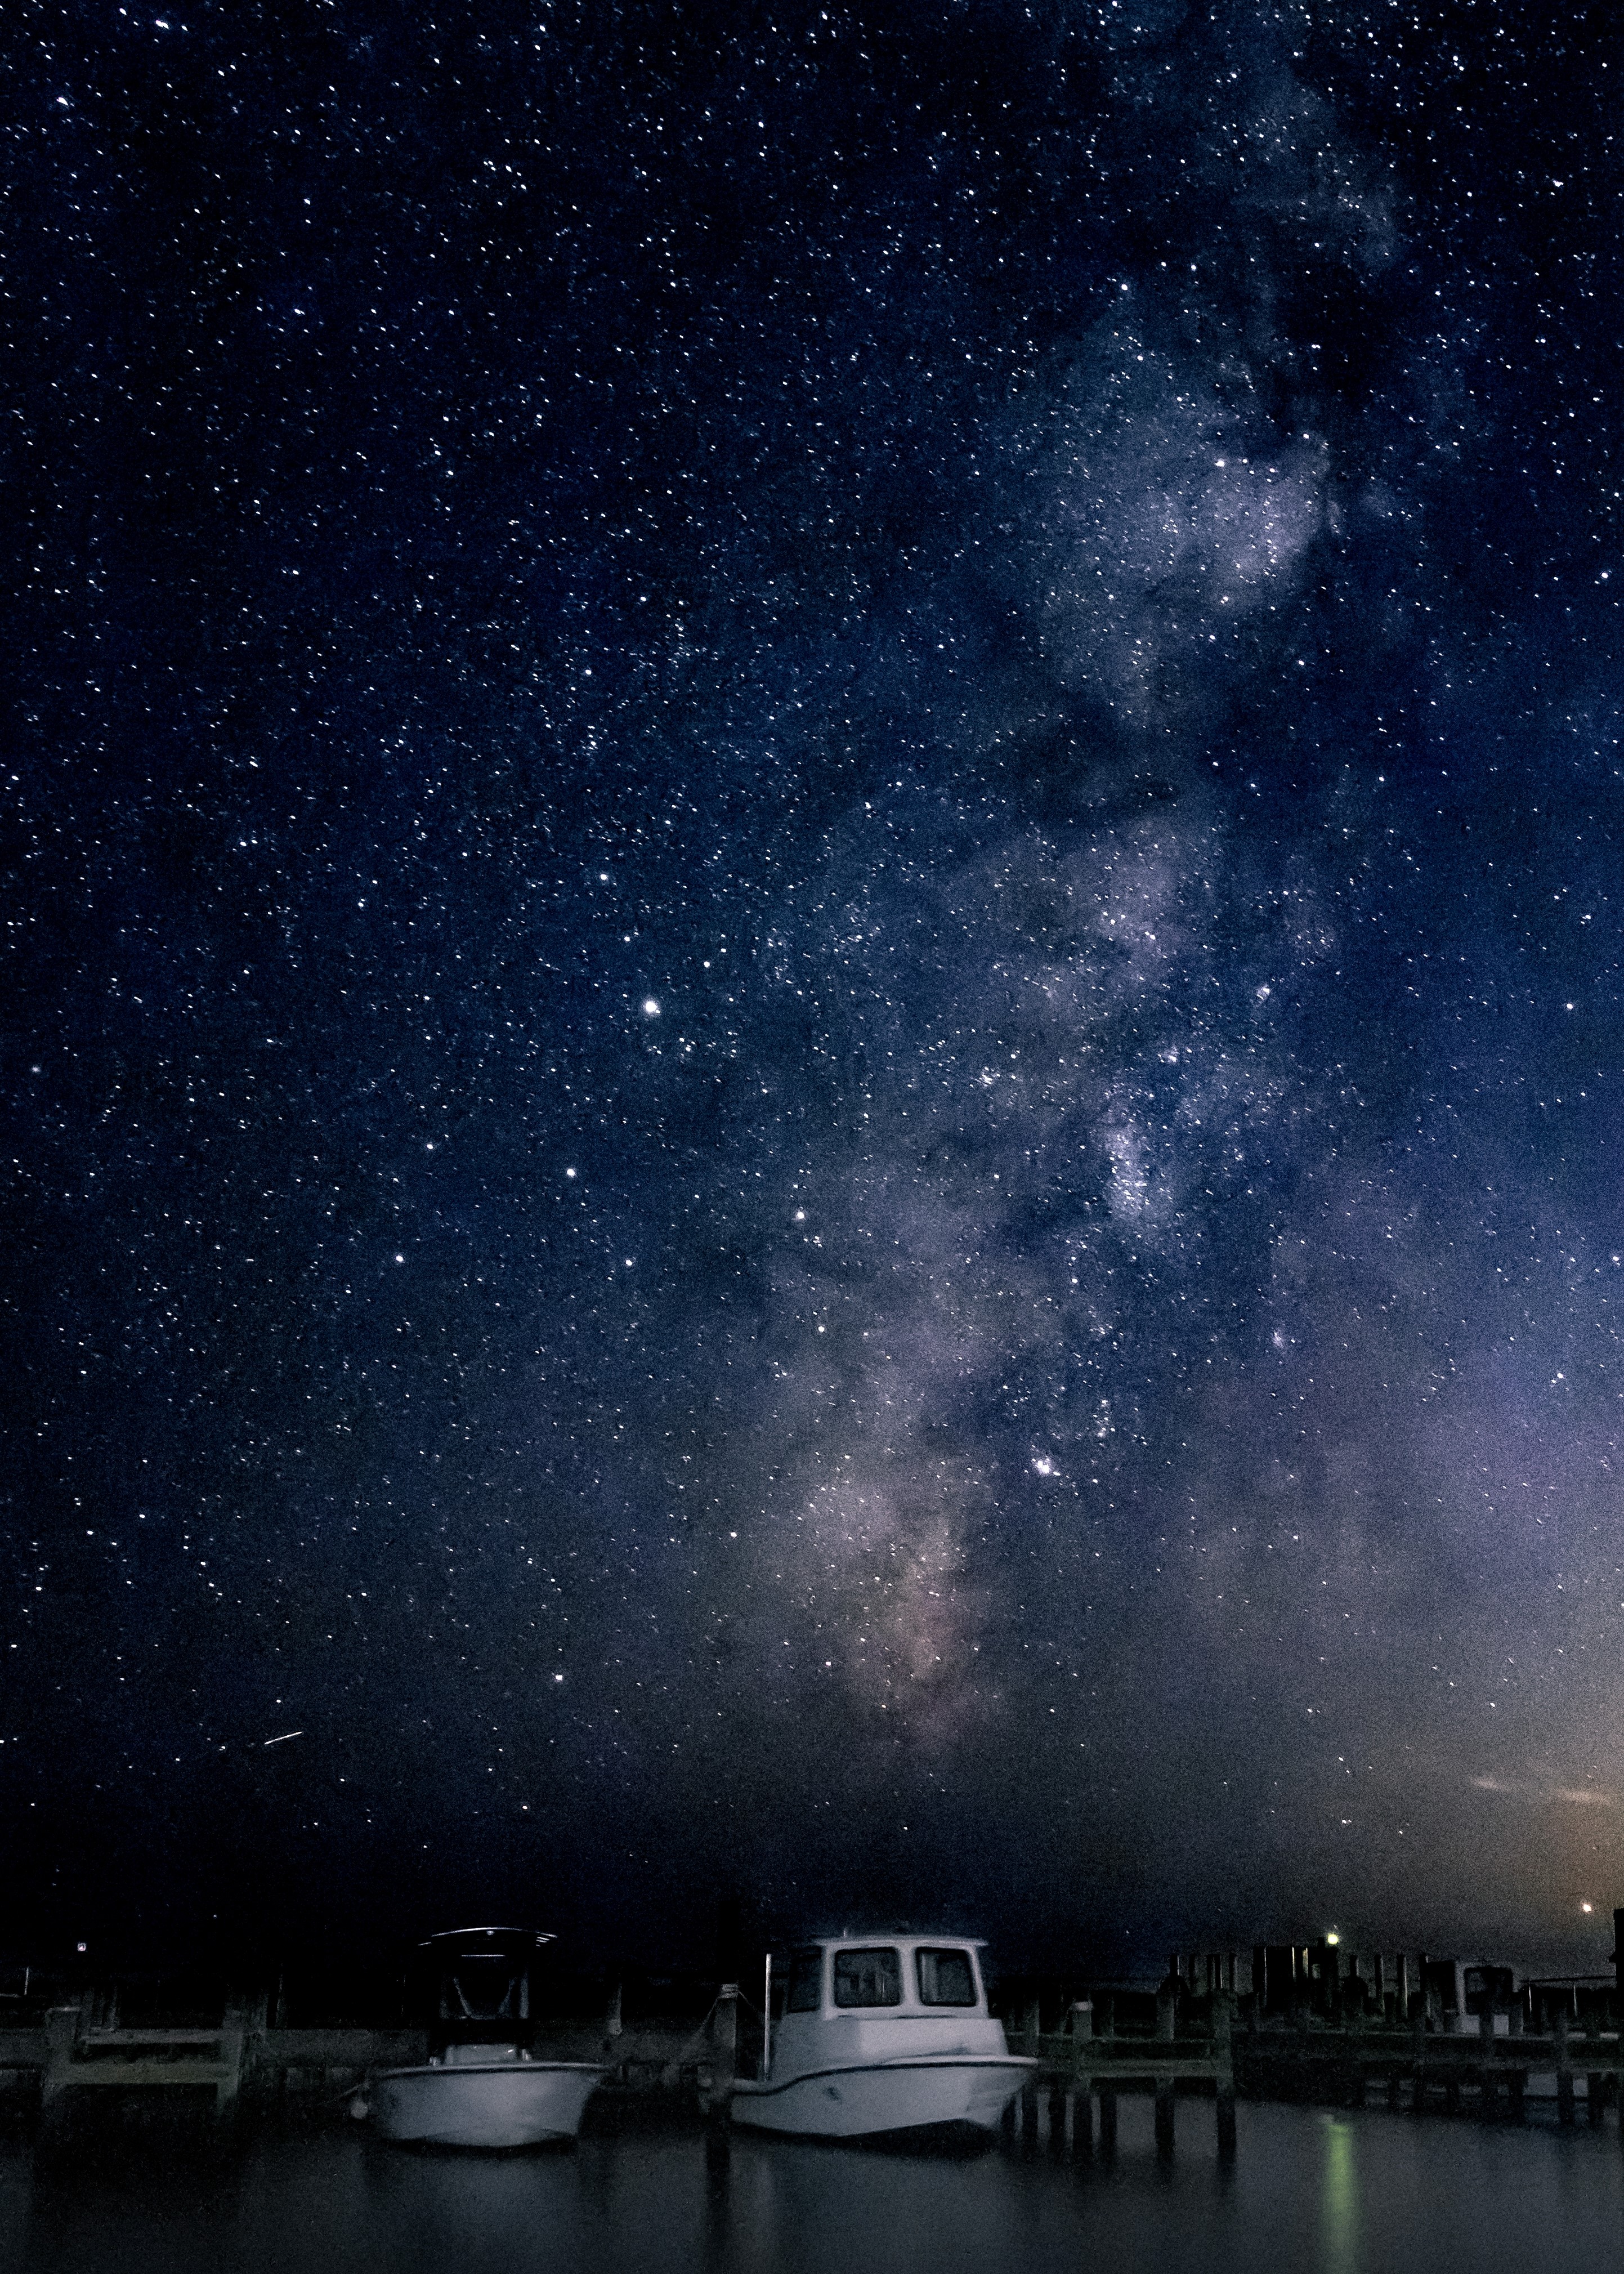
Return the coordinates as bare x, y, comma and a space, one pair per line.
867, 1977
483, 1989
945, 1977
806, 1981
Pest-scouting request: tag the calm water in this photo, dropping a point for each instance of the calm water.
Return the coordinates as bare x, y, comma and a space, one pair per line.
1313, 2193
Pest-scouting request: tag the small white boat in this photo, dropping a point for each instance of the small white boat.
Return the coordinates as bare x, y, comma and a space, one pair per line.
482, 2085
884, 2034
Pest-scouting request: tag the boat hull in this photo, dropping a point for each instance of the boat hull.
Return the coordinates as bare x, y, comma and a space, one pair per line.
906, 2095
486, 2104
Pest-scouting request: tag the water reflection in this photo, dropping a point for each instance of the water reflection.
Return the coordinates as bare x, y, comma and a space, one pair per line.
1363, 2193
1339, 2224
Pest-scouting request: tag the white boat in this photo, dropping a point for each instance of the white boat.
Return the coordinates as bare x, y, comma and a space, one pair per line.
468, 2098
482, 2086
882, 2034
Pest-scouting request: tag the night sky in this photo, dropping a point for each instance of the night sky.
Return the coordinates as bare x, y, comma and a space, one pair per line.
814, 857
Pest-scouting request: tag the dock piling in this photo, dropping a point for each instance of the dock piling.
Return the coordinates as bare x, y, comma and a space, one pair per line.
716, 2082
1082, 2088
1223, 2070
1165, 2106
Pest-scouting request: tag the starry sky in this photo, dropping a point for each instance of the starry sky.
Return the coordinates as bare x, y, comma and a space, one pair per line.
814, 859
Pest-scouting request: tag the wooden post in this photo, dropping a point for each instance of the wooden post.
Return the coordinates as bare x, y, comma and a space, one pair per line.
233, 2037
1223, 2072
1167, 2008
1164, 2117
1057, 2099
1417, 2061
716, 2096
1082, 2123
1082, 2085
1355, 2023
1032, 2043
1564, 2071
61, 2029
1595, 2085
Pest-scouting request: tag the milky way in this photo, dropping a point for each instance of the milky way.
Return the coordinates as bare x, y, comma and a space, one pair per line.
813, 839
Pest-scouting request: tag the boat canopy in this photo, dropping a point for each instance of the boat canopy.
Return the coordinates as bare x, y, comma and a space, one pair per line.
472, 1984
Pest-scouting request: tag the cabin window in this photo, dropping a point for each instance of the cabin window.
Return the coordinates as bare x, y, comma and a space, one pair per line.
867, 1977
806, 1982
945, 1977
481, 1988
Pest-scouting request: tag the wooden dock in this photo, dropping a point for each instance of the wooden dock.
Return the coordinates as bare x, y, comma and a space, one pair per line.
1085, 2069
1084, 2066
83, 2048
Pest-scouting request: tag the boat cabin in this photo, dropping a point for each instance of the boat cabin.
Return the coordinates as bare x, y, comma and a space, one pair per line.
921, 1975
880, 2033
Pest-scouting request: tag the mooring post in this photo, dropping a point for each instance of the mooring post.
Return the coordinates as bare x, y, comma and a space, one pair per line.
1082, 2086
717, 2087
1595, 2084
233, 2037
61, 2031
1223, 2072
1164, 2116
1564, 2071
1417, 2061
1032, 2043
1167, 2003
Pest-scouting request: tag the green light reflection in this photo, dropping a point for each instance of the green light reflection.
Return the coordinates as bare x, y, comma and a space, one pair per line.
1338, 2208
